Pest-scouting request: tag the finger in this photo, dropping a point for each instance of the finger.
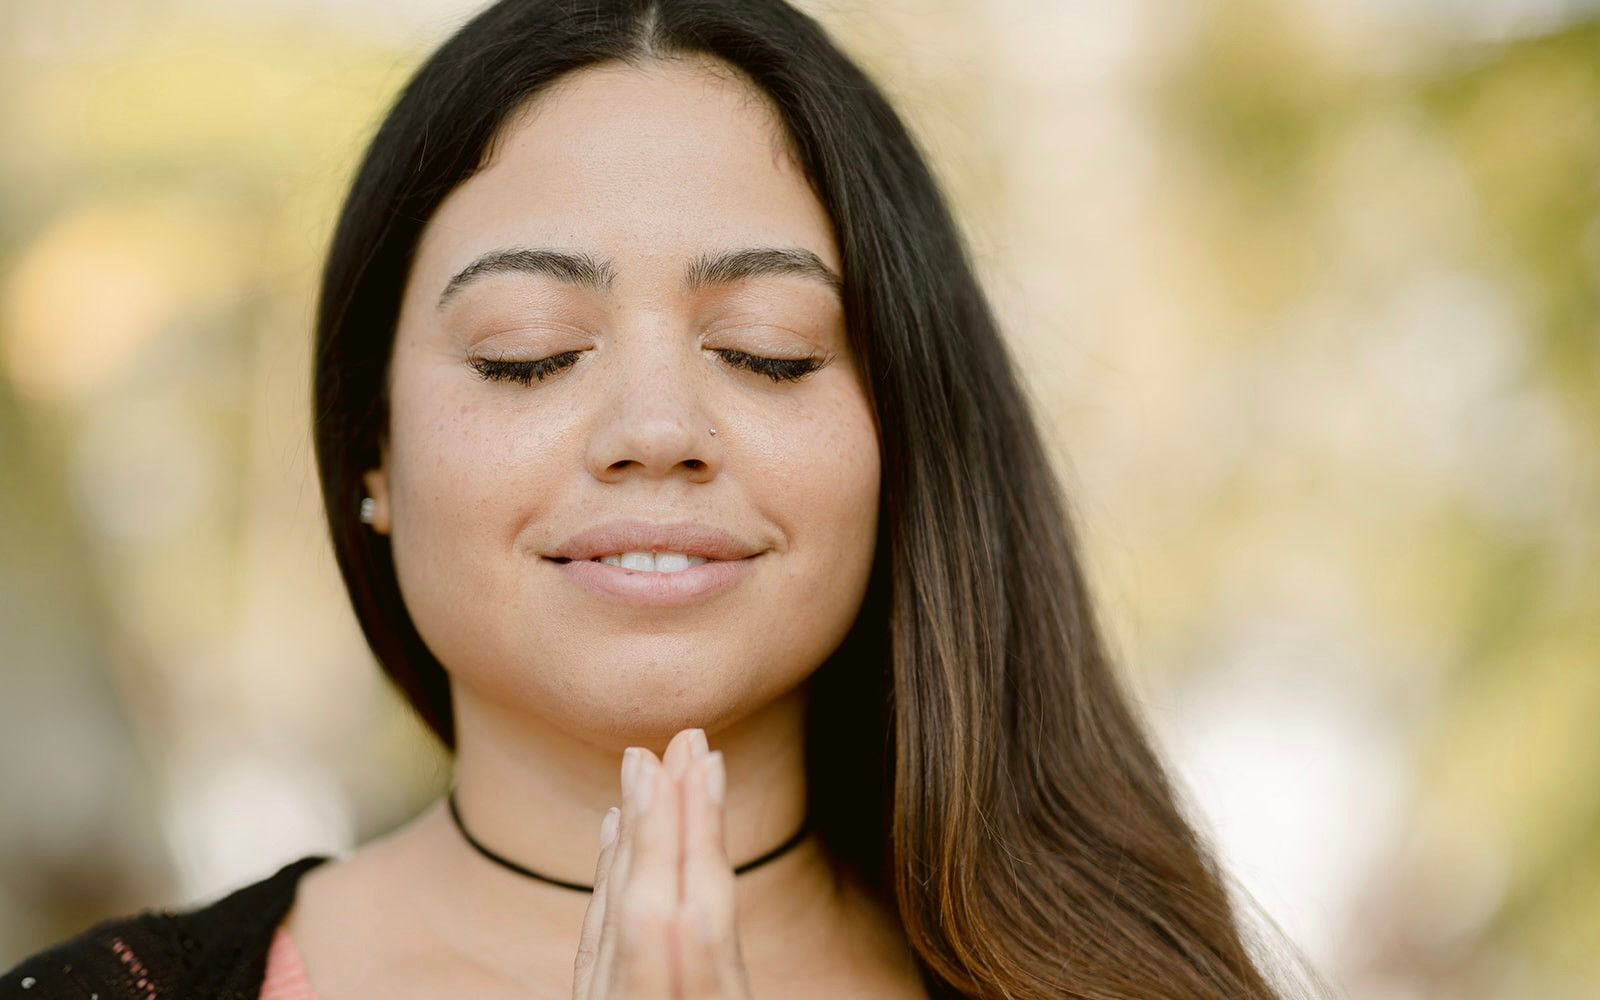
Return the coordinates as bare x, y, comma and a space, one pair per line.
707, 873
646, 898
594, 916
681, 751
617, 875
708, 918
697, 960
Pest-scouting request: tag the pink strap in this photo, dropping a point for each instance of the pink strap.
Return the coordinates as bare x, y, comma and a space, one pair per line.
286, 977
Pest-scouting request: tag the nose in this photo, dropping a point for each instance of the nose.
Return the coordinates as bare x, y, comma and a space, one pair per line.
657, 423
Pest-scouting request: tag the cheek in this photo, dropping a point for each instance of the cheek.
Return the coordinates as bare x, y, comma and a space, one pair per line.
821, 479
465, 475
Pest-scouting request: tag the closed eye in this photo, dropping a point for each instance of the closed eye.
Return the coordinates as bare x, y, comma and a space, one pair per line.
526, 372
777, 369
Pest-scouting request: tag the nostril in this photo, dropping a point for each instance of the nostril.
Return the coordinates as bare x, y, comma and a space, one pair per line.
694, 463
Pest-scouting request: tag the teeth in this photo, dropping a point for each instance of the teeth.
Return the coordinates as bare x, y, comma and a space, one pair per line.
671, 562
638, 560
653, 562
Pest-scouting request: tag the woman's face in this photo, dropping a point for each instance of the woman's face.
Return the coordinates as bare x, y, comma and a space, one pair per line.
579, 317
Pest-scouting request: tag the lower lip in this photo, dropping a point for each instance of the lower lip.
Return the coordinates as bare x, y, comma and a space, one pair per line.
649, 589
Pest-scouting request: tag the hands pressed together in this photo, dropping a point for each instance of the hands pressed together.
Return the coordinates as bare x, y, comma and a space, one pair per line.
661, 923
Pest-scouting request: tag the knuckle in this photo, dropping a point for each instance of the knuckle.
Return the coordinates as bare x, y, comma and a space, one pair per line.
720, 922
715, 896
641, 917
610, 919
617, 876
720, 931
720, 880
587, 953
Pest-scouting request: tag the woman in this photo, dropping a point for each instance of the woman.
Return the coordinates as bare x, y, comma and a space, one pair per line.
657, 408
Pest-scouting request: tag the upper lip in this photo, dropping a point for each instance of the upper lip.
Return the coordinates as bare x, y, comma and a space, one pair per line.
689, 538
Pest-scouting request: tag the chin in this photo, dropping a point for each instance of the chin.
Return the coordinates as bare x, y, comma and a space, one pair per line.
636, 692
653, 723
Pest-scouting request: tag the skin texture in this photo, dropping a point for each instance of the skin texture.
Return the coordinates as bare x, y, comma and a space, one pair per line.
641, 168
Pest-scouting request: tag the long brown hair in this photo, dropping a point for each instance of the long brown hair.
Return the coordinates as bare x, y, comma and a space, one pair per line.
1018, 820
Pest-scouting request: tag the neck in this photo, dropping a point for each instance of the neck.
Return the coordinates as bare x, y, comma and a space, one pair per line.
536, 795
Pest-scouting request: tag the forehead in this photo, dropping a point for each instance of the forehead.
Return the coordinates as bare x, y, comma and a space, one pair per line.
648, 163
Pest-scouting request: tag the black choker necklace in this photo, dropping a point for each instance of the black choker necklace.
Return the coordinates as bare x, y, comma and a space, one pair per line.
507, 863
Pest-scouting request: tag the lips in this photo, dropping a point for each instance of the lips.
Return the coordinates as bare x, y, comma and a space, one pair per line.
650, 589
688, 538
728, 560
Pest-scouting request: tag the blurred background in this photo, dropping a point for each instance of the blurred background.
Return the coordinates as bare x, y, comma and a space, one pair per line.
1308, 297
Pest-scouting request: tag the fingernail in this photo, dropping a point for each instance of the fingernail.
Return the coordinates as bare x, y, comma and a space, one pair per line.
698, 745
630, 770
716, 777
643, 785
608, 827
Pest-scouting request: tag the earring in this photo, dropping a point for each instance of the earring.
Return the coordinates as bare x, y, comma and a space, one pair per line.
369, 510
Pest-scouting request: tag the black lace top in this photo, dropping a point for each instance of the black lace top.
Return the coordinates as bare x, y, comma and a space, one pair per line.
216, 952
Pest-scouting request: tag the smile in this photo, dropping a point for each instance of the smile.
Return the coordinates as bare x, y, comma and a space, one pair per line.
652, 562
654, 579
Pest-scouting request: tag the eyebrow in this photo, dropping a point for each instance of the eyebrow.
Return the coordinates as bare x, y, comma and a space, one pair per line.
729, 266
720, 268
573, 268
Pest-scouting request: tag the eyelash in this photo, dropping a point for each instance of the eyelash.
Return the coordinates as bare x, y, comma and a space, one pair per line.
526, 372
777, 369
522, 371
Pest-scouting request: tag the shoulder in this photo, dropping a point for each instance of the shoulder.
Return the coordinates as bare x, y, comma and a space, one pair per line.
215, 952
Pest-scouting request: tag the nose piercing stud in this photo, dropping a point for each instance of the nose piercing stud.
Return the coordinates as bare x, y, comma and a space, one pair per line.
369, 510
713, 431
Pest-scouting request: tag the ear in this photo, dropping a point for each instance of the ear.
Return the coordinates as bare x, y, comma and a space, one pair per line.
377, 484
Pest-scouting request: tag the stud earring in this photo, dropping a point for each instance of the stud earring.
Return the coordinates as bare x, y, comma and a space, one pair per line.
369, 510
